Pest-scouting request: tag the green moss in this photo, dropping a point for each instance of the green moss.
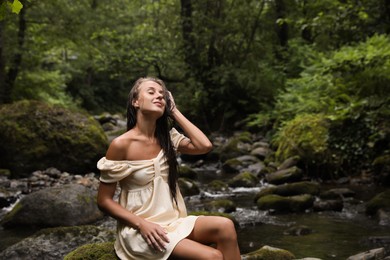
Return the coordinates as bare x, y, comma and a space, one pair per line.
245, 137
10, 215
217, 185
97, 251
270, 253
283, 204
380, 201
244, 179
306, 135
225, 204
85, 198
187, 172
37, 134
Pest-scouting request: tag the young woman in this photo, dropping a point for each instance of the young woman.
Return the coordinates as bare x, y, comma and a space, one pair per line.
151, 214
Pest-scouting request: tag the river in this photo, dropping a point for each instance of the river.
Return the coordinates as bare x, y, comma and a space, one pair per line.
335, 235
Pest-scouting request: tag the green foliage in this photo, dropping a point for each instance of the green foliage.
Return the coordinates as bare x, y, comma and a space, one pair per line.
305, 135
334, 113
10, 6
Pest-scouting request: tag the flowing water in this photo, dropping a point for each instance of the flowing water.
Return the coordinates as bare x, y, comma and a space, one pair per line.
334, 235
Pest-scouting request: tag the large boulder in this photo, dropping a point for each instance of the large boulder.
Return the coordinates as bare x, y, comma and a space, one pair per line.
55, 243
36, 136
69, 205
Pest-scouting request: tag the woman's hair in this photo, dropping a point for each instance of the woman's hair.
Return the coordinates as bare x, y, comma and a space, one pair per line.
162, 129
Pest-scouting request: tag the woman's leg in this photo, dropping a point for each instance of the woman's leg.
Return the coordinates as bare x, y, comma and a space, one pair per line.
214, 230
189, 249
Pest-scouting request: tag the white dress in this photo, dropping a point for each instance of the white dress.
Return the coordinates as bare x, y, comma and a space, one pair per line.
145, 192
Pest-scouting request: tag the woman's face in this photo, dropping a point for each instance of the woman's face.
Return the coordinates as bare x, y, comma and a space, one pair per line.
151, 98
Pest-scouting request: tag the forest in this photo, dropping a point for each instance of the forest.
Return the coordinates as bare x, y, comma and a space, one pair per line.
313, 76
294, 95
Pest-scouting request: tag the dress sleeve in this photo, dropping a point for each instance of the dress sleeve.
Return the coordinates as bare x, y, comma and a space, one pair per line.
176, 137
113, 171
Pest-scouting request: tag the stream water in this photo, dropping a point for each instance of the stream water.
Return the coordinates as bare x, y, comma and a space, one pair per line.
334, 235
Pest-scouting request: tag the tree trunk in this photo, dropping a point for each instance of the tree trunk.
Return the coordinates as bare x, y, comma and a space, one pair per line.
10, 76
282, 28
190, 54
2, 63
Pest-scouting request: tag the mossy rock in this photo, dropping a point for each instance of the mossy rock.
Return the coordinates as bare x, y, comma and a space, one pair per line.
306, 135
36, 136
187, 172
221, 205
188, 187
380, 201
217, 185
292, 174
296, 188
229, 150
269, 253
244, 179
232, 165
96, 251
281, 204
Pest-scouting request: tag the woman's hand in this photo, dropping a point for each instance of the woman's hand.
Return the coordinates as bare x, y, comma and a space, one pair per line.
154, 235
173, 104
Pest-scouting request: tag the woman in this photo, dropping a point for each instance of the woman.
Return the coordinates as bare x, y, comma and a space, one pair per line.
152, 218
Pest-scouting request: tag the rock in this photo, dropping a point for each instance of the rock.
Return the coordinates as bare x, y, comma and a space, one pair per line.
298, 231
384, 217
217, 185
221, 205
380, 201
280, 204
291, 189
292, 174
103, 251
36, 136
55, 243
289, 162
188, 187
261, 152
373, 254
328, 205
187, 172
256, 168
382, 169
69, 205
232, 166
268, 253
337, 193
230, 150
244, 179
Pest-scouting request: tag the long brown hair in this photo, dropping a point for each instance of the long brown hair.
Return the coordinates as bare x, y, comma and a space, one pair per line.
162, 129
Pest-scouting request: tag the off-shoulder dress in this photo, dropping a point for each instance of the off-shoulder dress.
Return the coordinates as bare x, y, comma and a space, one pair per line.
145, 192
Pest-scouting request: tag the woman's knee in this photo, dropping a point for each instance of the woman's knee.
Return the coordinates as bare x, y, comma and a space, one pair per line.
227, 228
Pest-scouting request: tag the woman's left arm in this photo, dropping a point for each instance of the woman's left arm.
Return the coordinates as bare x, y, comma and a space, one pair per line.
198, 143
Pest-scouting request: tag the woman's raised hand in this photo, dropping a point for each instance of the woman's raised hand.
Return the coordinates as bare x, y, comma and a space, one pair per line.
173, 104
154, 235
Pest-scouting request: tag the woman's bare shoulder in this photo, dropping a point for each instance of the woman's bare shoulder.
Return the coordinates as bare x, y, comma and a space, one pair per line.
119, 146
